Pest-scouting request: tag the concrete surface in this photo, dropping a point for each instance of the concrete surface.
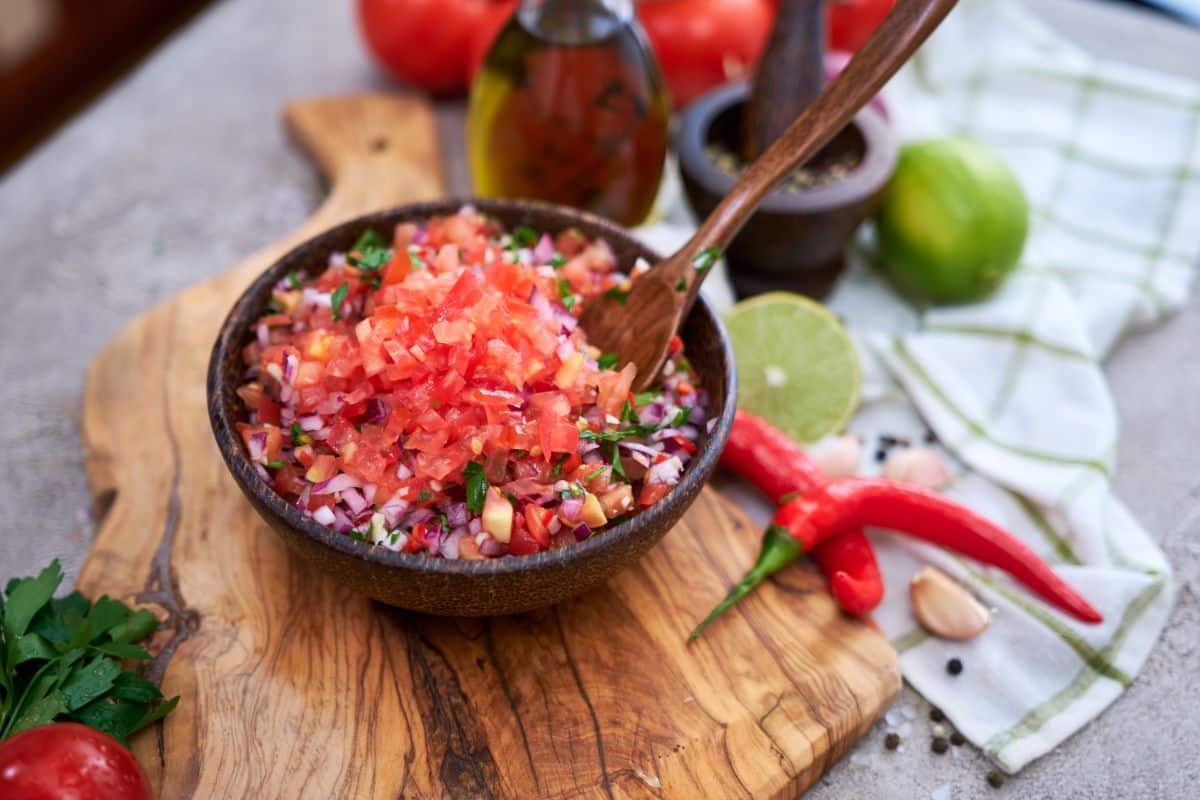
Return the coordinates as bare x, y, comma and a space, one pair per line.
183, 168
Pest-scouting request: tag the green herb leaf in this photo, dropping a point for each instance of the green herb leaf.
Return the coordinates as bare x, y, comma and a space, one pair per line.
275, 464
632, 432
525, 236
594, 475
293, 279
117, 718
642, 399
628, 414
416, 261
615, 293
337, 299
155, 714
140, 624
129, 686
477, 486
617, 466
40, 712
424, 495
681, 417
89, 681
565, 294
369, 240
607, 361
557, 261
26, 597
681, 285
445, 523
32, 647
122, 650
297, 434
706, 258
106, 615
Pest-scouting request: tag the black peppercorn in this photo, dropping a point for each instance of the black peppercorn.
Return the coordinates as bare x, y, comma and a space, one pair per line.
957, 739
954, 666
939, 745
880, 455
995, 779
936, 714
891, 741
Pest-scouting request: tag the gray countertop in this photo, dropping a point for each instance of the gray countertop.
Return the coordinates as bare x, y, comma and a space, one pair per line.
183, 168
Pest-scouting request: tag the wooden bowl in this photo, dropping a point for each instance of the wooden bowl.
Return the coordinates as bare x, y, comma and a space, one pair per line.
797, 239
457, 587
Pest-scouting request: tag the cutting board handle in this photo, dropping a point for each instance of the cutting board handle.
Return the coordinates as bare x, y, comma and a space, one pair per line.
364, 145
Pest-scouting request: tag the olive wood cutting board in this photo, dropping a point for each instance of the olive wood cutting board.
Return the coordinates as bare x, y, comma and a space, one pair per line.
294, 687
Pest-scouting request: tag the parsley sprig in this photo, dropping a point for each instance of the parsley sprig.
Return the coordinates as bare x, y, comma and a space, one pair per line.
477, 487
638, 431
61, 659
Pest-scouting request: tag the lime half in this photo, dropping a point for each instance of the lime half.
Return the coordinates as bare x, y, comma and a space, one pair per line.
797, 367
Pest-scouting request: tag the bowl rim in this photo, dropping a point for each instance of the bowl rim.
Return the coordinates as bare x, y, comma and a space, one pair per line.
867, 177
235, 329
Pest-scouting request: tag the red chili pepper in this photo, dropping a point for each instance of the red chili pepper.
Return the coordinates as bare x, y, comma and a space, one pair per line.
778, 467
927, 515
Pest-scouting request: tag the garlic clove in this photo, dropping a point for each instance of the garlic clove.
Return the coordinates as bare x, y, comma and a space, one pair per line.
919, 466
837, 456
945, 608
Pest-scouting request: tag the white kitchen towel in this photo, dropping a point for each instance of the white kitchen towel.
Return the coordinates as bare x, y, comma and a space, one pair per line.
1012, 388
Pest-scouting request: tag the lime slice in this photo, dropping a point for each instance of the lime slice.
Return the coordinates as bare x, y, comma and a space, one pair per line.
797, 367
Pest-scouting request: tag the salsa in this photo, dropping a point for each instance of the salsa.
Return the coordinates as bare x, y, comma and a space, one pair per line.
432, 391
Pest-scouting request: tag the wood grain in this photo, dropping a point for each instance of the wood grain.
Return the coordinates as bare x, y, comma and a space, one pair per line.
293, 687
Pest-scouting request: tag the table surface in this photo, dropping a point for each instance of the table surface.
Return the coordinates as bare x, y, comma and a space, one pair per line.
183, 168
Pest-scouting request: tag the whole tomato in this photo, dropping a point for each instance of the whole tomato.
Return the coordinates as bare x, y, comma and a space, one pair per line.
424, 42
851, 22
68, 761
485, 33
701, 44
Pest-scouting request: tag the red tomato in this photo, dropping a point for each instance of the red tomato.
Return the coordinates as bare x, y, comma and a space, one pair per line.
851, 22
701, 44
424, 42
68, 761
493, 21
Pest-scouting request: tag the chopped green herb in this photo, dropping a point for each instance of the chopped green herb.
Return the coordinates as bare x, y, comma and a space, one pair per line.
706, 258
558, 466
628, 414
644, 398
681, 285
424, 495
368, 240
618, 468
681, 417
274, 304
558, 261
294, 281
632, 432
511, 498
525, 236
60, 659
359, 535
618, 294
607, 361
445, 523
594, 475
297, 434
565, 294
372, 259
477, 486
519, 454
275, 464
337, 299
393, 538
573, 490
416, 261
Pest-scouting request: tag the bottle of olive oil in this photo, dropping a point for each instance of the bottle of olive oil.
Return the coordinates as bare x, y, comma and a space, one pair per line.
570, 108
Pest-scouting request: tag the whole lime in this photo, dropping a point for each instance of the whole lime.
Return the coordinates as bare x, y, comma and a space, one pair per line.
953, 221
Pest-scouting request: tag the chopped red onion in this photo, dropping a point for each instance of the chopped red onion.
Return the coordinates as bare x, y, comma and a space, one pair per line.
457, 514
567, 321
341, 521
665, 472
544, 251
369, 492
541, 305
392, 510
571, 507
311, 423
403, 472
290, 364
475, 525
262, 472
264, 335
377, 411
312, 297
582, 531
564, 350
712, 423
490, 547
257, 446
635, 447
450, 545
354, 501
324, 515
338, 483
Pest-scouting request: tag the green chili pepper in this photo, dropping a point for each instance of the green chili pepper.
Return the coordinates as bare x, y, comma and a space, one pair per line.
779, 549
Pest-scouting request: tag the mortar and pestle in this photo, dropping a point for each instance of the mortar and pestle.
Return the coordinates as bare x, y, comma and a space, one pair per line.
797, 239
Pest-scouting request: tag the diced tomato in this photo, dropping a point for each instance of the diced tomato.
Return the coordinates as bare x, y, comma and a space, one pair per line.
651, 493
268, 411
537, 521
522, 542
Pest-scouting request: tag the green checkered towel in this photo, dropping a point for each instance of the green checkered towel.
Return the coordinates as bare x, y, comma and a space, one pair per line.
1013, 388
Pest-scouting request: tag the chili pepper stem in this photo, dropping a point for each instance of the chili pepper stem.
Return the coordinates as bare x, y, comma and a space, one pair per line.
779, 548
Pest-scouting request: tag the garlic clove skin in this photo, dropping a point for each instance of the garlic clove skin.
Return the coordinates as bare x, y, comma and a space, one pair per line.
945, 608
919, 466
837, 456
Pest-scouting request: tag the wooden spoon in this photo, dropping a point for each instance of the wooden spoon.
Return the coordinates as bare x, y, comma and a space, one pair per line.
639, 327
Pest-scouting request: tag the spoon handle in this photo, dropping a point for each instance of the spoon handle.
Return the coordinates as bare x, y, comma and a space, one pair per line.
890, 46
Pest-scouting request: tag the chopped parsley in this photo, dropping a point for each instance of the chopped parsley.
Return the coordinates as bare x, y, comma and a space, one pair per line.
565, 294
618, 294
416, 261
681, 417
681, 285
275, 305
477, 487
607, 361
424, 495
293, 279
275, 464
298, 437
337, 299
369, 240
525, 236
628, 414
644, 398
359, 535
558, 261
574, 490
618, 468
706, 258
594, 475
632, 432
558, 467
445, 523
